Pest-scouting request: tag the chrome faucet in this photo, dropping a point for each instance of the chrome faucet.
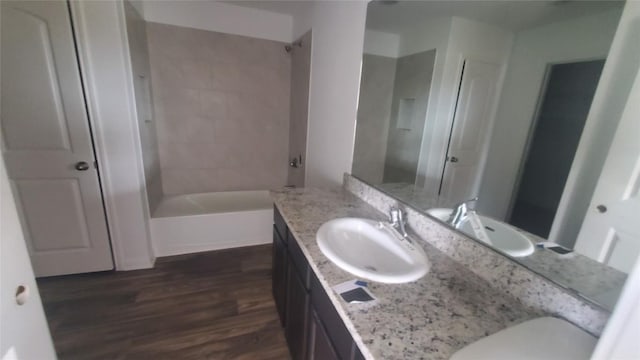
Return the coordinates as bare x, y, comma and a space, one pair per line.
459, 213
397, 221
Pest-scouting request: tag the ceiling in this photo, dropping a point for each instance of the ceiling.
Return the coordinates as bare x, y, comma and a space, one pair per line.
287, 7
515, 15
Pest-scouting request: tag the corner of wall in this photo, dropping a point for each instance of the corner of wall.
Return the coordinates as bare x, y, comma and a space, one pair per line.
138, 5
336, 56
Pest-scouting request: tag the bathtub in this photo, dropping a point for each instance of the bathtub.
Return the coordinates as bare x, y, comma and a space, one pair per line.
191, 223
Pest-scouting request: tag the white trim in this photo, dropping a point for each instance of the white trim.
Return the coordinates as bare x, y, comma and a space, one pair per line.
108, 82
620, 337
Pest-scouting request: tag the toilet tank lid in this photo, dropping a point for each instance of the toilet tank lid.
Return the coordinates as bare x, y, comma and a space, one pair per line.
542, 338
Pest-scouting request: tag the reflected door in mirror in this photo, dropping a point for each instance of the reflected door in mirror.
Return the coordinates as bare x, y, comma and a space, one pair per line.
468, 142
611, 232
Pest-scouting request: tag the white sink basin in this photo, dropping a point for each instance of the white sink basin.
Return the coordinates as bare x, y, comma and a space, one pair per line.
368, 250
503, 237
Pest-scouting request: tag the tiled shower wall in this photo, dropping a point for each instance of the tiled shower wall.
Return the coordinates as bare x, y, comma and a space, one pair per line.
222, 107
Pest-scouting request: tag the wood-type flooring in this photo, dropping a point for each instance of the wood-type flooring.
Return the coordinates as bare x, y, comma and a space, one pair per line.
213, 305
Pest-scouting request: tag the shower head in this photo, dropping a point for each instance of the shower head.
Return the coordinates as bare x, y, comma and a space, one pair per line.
289, 48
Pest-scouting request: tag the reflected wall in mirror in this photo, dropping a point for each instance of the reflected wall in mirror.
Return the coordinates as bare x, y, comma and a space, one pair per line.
516, 103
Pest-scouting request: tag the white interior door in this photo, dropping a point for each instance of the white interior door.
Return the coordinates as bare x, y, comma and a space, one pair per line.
468, 143
611, 229
23, 330
47, 145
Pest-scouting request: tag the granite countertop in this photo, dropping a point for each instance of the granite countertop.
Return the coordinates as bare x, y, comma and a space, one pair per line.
431, 318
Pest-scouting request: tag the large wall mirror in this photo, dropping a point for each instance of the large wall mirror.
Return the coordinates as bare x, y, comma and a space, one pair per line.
517, 104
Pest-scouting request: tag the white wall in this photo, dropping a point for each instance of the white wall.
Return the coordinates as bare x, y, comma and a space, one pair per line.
23, 330
432, 34
221, 17
619, 339
104, 59
429, 35
301, 22
138, 5
381, 43
578, 39
468, 39
336, 57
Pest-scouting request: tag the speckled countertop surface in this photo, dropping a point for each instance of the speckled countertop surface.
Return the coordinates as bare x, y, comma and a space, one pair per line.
595, 281
431, 318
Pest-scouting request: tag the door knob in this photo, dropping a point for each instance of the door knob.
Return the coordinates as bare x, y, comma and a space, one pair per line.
453, 159
601, 209
22, 294
82, 166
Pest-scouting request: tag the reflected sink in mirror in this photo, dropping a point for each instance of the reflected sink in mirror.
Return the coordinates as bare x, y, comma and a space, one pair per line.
501, 236
372, 250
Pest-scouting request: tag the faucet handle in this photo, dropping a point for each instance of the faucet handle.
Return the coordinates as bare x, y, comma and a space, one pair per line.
466, 202
395, 215
471, 200
460, 212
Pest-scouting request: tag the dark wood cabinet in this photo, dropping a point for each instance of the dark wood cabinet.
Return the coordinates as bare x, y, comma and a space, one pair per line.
297, 313
320, 347
279, 274
313, 328
357, 355
340, 336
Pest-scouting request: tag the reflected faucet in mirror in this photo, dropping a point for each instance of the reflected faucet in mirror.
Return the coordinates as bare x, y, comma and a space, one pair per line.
460, 212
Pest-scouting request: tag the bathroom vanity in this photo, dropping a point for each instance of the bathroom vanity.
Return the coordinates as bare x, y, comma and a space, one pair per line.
313, 328
433, 317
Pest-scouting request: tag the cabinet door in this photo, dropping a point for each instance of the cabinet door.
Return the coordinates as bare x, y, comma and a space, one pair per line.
320, 347
297, 314
357, 355
279, 275
339, 335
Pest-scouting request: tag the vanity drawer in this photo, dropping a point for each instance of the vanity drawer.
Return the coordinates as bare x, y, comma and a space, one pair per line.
280, 225
299, 260
339, 335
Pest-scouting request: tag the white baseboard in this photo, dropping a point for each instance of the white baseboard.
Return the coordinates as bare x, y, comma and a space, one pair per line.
137, 264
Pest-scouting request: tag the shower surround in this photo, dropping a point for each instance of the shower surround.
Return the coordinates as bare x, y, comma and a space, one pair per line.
221, 103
